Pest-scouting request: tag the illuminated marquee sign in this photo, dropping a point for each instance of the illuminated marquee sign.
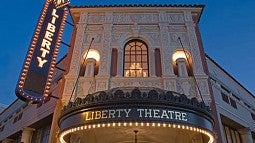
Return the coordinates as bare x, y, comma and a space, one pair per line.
134, 114
36, 75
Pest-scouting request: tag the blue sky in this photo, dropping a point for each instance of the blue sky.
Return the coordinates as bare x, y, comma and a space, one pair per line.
227, 29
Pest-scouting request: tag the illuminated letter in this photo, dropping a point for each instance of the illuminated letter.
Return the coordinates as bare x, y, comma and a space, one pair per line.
48, 35
98, 115
87, 116
140, 112
171, 114
184, 117
55, 16
51, 27
46, 44
104, 114
127, 112
164, 114
41, 62
118, 110
44, 52
148, 112
178, 115
155, 114
112, 113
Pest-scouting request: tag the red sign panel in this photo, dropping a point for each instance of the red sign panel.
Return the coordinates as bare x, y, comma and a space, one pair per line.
37, 72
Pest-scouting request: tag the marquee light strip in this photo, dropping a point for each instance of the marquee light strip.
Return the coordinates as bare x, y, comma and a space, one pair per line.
131, 124
29, 56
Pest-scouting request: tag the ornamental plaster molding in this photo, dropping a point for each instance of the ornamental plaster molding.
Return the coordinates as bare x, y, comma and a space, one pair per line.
170, 85
174, 41
187, 86
118, 38
167, 68
197, 63
149, 28
135, 18
177, 28
104, 59
75, 61
94, 28
174, 18
121, 28
97, 38
188, 16
95, 18
203, 86
136, 82
69, 85
83, 17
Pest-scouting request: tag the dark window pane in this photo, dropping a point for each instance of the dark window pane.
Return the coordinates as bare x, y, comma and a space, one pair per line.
225, 97
233, 103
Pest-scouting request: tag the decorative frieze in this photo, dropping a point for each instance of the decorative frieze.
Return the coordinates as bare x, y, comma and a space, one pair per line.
174, 18
121, 28
149, 28
97, 37
136, 82
177, 28
137, 18
96, 18
187, 86
83, 17
174, 41
94, 28
170, 84
203, 86
152, 39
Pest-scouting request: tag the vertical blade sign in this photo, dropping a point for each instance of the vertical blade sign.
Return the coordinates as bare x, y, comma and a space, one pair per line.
37, 72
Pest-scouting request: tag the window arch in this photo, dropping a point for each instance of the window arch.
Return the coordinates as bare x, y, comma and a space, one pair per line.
136, 59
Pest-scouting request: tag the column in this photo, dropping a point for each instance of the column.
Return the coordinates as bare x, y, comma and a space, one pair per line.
182, 70
246, 135
26, 135
90, 67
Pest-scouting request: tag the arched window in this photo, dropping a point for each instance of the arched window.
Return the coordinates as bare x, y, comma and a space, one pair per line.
136, 59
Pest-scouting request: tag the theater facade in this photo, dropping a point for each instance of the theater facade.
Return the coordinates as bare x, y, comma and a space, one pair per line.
141, 77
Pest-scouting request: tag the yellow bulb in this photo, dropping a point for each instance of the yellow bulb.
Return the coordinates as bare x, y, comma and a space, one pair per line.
179, 54
94, 54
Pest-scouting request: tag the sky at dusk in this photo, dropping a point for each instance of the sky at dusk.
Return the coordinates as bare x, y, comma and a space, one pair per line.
227, 29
